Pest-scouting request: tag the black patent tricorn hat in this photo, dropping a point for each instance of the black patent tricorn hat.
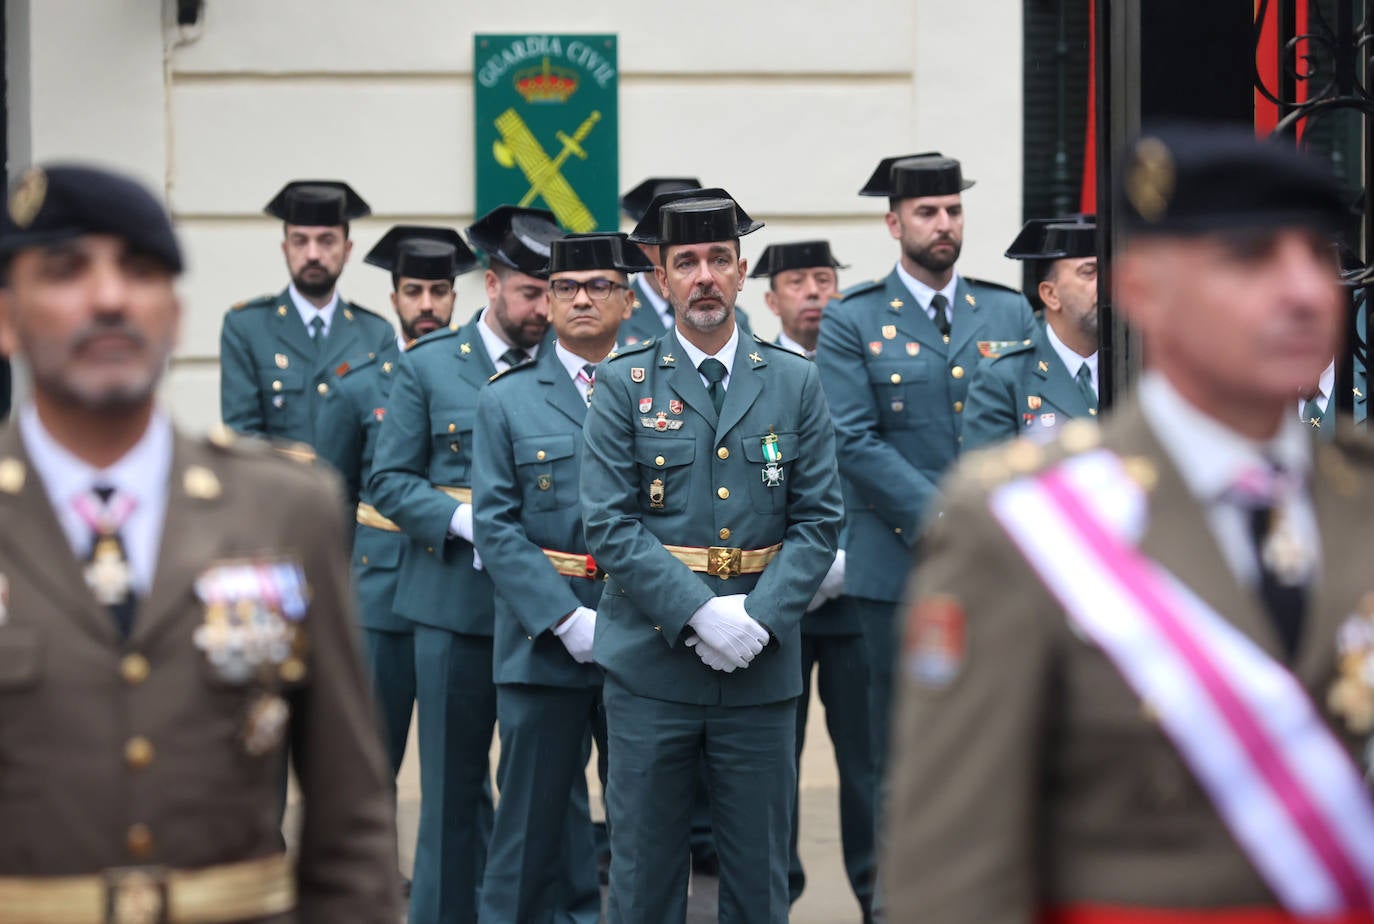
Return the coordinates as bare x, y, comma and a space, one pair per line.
581, 252
317, 203
518, 237
423, 252
915, 175
693, 217
778, 258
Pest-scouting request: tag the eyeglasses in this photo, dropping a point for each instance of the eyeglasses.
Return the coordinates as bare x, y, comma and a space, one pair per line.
598, 290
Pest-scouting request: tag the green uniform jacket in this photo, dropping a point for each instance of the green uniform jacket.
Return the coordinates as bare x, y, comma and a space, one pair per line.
271, 380
710, 491
349, 421
426, 440
1023, 389
897, 392
644, 321
525, 481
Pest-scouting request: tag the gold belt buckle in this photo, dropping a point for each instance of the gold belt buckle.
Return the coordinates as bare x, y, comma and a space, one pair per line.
136, 895
722, 562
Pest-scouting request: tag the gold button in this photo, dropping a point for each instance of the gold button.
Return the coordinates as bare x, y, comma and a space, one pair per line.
540, 456
276, 385
452, 427
139, 841
658, 628
898, 530
138, 752
429, 548
292, 670
530, 637
322, 388
896, 378
364, 559
946, 337
957, 372
134, 669
659, 460
722, 493
724, 533
1092, 411
722, 453
958, 407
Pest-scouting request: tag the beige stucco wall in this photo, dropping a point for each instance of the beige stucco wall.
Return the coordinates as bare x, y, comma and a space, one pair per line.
788, 106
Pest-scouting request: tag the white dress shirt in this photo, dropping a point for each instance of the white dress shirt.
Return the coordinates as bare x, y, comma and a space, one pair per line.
1325, 385
924, 293
573, 364
141, 475
309, 312
790, 344
726, 356
1211, 458
1072, 361
495, 346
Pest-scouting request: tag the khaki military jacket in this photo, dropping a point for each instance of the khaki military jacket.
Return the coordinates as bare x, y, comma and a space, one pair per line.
160, 749
1036, 778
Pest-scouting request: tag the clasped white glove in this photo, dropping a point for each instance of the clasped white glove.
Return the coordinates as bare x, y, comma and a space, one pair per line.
476, 561
576, 632
723, 624
832, 585
710, 657
460, 524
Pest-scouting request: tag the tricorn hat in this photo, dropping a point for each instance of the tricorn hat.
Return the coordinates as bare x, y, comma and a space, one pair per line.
600, 251
693, 217
323, 203
423, 252
1055, 239
916, 175
777, 258
636, 202
518, 237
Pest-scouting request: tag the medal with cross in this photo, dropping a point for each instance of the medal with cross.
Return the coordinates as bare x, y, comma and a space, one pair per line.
772, 456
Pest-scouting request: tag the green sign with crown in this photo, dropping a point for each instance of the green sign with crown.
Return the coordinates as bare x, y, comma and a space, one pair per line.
547, 132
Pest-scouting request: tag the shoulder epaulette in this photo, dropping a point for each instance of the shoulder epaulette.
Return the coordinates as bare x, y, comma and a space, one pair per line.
862, 288
354, 306
633, 348
509, 369
997, 349
775, 346
259, 301
442, 333
983, 283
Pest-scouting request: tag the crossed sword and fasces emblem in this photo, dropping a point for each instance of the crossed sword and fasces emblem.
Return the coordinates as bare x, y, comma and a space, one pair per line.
519, 147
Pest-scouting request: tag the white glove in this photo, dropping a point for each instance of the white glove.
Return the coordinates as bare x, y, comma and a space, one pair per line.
710, 657
460, 524
577, 632
722, 623
476, 561
832, 585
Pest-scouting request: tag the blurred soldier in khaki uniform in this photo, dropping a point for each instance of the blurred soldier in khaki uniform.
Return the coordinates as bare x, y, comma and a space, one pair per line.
1138, 674
171, 612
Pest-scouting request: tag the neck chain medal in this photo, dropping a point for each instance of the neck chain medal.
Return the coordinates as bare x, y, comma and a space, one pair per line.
772, 469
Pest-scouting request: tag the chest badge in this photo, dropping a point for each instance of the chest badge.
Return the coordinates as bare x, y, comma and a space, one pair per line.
675, 405
656, 494
544, 482
637, 374
282, 360
646, 405
660, 422
1033, 402
1351, 696
875, 347
772, 455
889, 331
913, 348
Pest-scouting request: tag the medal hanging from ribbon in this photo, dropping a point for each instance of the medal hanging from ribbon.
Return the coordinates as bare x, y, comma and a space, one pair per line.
772, 455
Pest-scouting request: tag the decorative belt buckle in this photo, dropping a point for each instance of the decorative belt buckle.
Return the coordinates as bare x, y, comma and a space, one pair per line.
136, 895
723, 562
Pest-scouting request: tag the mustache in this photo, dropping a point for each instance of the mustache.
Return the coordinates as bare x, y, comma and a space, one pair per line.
107, 328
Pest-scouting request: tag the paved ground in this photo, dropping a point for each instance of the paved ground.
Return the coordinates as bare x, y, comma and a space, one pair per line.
827, 899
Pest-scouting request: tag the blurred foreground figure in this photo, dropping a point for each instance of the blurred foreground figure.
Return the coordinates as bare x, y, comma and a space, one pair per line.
172, 611
1138, 672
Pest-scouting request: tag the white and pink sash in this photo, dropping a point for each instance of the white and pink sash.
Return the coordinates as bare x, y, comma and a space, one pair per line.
1281, 781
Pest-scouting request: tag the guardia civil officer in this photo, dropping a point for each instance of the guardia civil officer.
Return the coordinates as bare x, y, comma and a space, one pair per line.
423, 262
802, 280
710, 496
1034, 386
1147, 649
653, 314
895, 360
422, 481
276, 352
528, 526
172, 610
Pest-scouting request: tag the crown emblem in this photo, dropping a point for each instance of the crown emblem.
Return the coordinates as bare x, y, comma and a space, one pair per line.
546, 84
27, 197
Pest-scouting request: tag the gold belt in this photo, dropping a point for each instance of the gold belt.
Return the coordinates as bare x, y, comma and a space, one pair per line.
136, 894
722, 561
368, 516
571, 564
461, 495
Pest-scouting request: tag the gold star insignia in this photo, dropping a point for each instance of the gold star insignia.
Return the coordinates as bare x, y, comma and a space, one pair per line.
386, 366
756, 357
281, 311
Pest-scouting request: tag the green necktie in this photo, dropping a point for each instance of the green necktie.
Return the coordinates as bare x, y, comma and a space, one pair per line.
1312, 414
1084, 378
317, 333
513, 357
938, 304
714, 372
